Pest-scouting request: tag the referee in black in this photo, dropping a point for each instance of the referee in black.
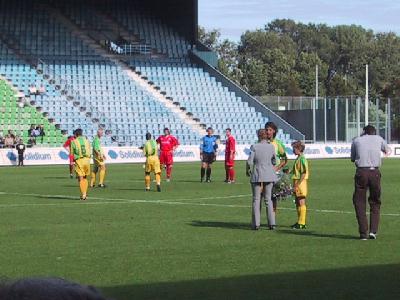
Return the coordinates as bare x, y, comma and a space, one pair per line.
366, 154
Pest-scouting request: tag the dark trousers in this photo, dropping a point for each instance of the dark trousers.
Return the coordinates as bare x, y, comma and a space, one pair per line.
20, 160
367, 179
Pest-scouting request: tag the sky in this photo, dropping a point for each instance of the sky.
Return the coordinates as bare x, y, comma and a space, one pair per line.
233, 17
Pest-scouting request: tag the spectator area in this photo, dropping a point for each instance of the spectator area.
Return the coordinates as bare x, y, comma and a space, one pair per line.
62, 49
18, 118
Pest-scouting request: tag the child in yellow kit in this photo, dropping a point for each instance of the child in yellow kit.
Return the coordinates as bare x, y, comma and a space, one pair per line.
300, 175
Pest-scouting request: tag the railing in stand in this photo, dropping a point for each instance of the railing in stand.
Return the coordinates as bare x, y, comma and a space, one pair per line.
67, 90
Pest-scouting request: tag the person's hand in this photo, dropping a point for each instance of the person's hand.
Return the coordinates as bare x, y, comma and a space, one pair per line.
104, 157
388, 152
201, 156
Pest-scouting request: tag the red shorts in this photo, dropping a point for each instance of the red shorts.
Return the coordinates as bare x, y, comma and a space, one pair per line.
229, 162
71, 159
166, 158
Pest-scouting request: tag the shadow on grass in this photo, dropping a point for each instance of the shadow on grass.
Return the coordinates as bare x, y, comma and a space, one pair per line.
309, 233
133, 189
58, 177
187, 180
370, 282
56, 197
219, 224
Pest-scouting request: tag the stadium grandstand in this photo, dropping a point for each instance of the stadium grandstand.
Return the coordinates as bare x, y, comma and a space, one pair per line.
130, 67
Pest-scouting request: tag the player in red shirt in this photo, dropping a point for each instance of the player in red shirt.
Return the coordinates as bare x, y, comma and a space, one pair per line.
67, 146
168, 144
230, 151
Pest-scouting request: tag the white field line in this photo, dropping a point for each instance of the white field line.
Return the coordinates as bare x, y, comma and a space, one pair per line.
161, 201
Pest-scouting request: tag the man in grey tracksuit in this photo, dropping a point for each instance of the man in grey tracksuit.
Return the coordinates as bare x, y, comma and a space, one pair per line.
260, 167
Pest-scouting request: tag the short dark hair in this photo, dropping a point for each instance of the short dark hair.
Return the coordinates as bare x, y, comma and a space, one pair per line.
273, 126
209, 128
369, 130
166, 128
148, 136
78, 132
46, 289
228, 129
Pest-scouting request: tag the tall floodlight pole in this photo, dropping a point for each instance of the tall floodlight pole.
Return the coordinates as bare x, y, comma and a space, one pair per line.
366, 96
315, 105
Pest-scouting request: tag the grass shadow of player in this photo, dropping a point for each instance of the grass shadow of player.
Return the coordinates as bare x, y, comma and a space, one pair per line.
309, 233
186, 180
220, 224
57, 197
133, 189
56, 177
329, 284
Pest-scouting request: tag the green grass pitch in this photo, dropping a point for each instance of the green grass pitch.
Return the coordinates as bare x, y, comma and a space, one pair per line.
193, 240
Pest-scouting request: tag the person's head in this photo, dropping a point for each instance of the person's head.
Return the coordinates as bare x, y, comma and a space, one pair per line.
262, 135
369, 130
148, 136
167, 131
286, 170
228, 132
78, 132
74, 133
32, 126
210, 131
100, 132
271, 129
47, 289
298, 147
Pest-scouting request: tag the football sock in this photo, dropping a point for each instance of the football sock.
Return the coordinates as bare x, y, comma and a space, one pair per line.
102, 176
303, 212
298, 214
93, 179
169, 170
231, 174
86, 185
203, 172
227, 174
158, 178
82, 187
147, 180
208, 173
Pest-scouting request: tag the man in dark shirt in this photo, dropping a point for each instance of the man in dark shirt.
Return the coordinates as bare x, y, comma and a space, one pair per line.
20, 146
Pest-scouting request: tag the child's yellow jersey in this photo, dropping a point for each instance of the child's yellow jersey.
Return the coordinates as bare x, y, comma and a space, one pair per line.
300, 167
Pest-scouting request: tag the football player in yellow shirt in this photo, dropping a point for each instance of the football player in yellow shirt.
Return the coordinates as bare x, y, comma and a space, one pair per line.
80, 149
150, 151
99, 165
300, 175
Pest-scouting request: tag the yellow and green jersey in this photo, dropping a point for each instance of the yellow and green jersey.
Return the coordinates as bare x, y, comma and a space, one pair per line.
150, 148
300, 167
80, 148
280, 151
97, 149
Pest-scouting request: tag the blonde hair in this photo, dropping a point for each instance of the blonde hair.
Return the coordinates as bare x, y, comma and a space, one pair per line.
299, 145
262, 135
